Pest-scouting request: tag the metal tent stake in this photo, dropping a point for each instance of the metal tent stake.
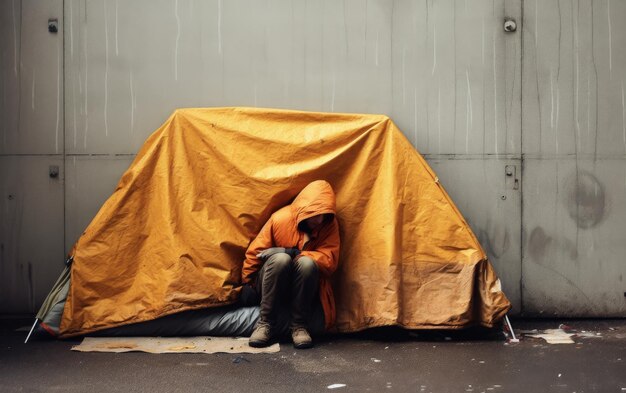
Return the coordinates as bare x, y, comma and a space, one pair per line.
31, 330
508, 323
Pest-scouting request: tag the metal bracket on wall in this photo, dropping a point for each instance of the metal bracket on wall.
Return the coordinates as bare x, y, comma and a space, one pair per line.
53, 25
510, 26
511, 181
53, 171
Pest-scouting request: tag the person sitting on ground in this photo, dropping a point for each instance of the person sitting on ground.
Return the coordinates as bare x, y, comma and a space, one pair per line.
291, 261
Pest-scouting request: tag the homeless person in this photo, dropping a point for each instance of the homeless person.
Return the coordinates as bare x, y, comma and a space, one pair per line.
290, 262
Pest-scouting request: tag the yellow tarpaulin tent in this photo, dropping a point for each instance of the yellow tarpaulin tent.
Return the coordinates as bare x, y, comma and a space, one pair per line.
172, 236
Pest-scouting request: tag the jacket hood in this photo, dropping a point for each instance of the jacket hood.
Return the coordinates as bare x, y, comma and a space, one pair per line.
316, 198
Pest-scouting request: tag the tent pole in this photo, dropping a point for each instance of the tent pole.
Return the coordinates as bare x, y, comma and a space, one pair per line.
31, 330
508, 323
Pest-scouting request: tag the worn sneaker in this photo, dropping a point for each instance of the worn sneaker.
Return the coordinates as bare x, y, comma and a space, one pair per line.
261, 335
301, 338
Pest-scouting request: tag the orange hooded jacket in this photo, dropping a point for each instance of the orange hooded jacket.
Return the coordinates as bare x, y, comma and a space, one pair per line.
281, 230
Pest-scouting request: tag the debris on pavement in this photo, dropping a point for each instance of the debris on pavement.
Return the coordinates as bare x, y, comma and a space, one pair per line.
240, 359
563, 335
554, 336
336, 386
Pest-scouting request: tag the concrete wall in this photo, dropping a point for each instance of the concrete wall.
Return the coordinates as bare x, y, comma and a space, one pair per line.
574, 144
446, 72
31, 140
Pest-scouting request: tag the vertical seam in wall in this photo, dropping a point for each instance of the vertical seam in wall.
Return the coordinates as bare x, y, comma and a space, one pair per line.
64, 189
19, 77
391, 73
521, 188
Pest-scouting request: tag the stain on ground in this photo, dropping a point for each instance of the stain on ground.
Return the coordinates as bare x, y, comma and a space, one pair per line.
121, 345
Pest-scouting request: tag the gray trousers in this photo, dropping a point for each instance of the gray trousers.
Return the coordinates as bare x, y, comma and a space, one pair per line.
285, 284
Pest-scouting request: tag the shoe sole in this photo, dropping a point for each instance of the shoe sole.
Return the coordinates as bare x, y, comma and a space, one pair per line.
258, 344
303, 345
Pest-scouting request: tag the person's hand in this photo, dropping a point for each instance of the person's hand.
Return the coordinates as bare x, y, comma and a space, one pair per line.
265, 254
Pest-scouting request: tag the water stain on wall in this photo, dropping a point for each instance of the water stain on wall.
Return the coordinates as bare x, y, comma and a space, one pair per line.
586, 199
538, 244
494, 239
542, 246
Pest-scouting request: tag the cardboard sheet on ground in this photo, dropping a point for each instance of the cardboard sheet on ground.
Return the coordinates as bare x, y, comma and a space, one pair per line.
171, 345
172, 237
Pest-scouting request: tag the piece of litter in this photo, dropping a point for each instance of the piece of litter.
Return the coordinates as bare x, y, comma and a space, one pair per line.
559, 375
336, 386
240, 359
482, 362
555, 336
588, 335
386, 347
375, 360
497, 386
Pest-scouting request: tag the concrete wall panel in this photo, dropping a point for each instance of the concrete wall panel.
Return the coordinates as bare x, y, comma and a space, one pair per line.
130, 64
490, 204
574, 240
574, 74
90, 181
31, 140
33, 99
10, 29
575, 158
456, 86
31, 231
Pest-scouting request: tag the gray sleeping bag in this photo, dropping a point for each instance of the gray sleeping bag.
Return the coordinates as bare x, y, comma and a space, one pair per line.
221, 321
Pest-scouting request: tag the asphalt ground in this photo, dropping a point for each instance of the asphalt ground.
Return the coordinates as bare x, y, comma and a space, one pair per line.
383, 360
